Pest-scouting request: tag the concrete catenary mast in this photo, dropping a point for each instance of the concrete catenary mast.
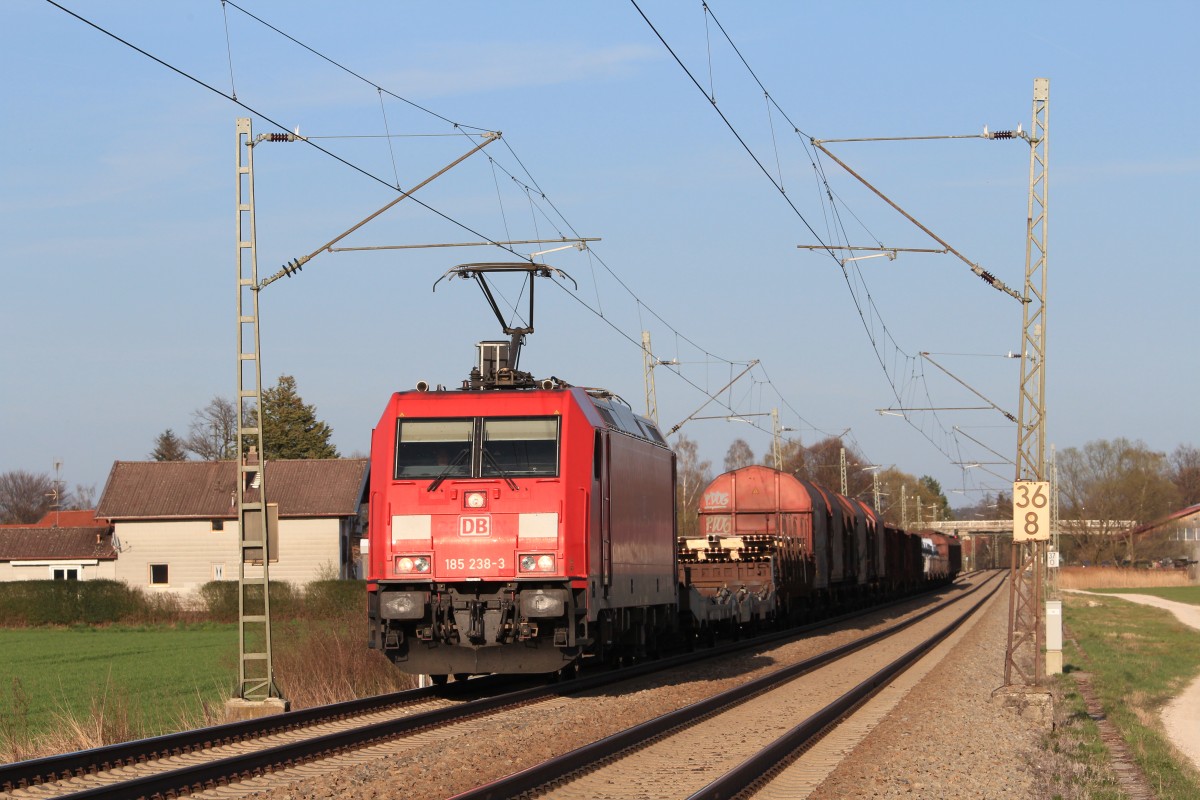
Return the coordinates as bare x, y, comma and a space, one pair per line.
256, 678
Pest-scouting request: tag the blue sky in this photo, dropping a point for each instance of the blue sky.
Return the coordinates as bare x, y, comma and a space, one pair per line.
118, 214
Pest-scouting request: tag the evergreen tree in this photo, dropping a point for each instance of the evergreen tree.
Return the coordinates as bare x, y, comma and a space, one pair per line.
290, 427
168, 447
930, 491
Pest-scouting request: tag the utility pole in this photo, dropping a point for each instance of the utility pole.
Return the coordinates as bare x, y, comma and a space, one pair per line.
256, 676
776, 433
1031, 490
648, 364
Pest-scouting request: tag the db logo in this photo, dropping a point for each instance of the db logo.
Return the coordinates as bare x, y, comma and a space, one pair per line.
474, 526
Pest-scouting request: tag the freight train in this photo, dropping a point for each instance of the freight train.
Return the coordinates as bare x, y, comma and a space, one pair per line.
525, 526
796, 550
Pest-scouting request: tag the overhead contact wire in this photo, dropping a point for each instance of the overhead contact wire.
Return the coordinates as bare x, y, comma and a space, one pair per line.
733, 130
278, 125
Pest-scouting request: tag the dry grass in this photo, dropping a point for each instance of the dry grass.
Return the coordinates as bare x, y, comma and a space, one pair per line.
316, 662
327, 661
108, 721
1119, 578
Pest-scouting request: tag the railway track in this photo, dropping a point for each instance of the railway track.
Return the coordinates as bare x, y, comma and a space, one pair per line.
254, 755
192, 761
746, 741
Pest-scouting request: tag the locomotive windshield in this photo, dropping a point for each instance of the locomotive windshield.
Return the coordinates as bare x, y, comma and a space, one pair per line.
520, 447
479, 447
428, 448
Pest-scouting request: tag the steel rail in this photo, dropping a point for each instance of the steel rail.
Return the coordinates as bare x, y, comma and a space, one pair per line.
51, 769
767, 761
22, 774
556, 769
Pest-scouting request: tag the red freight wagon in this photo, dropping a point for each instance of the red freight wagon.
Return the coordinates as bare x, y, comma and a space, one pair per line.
773, 545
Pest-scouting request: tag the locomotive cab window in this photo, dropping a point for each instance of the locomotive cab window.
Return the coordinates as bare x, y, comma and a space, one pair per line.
520, 447
433, 448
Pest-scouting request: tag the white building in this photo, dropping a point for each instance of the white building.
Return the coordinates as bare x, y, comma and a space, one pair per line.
175, 523
43, 553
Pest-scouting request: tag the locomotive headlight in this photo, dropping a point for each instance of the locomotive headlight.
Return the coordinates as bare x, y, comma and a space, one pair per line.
411, 564
475, 499
536, 562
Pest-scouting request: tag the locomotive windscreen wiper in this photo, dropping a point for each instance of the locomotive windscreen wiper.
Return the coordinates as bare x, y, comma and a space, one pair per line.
488, 455
445, 473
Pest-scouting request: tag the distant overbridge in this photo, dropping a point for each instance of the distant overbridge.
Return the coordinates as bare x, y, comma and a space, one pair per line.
1005, 526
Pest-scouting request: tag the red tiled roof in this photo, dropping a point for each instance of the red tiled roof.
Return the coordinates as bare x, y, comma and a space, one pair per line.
69, 519
55, 544
205, 489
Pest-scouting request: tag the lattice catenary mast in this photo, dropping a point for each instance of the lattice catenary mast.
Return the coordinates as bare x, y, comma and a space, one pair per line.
1031, 490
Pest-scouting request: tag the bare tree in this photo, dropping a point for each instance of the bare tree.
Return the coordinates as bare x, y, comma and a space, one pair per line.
823, 465
212, 436
739, 455
1107, 489
1185, 473
692, 477
81, 497
908, 501
792, 455
25, 497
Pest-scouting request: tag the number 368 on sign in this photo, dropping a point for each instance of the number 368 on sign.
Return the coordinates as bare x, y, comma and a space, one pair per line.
1031, 511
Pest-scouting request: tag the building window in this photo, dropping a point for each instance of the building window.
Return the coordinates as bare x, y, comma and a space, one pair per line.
158, 574
218, 524
66, 574
218, 572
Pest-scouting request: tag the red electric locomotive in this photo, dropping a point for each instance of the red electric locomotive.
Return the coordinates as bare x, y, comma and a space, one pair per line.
517, 525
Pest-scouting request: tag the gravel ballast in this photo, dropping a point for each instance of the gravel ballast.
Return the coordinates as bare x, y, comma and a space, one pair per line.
946, 738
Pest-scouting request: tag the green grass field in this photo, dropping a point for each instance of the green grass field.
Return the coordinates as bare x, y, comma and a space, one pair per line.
157, 676
1140, 658
1180, 594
